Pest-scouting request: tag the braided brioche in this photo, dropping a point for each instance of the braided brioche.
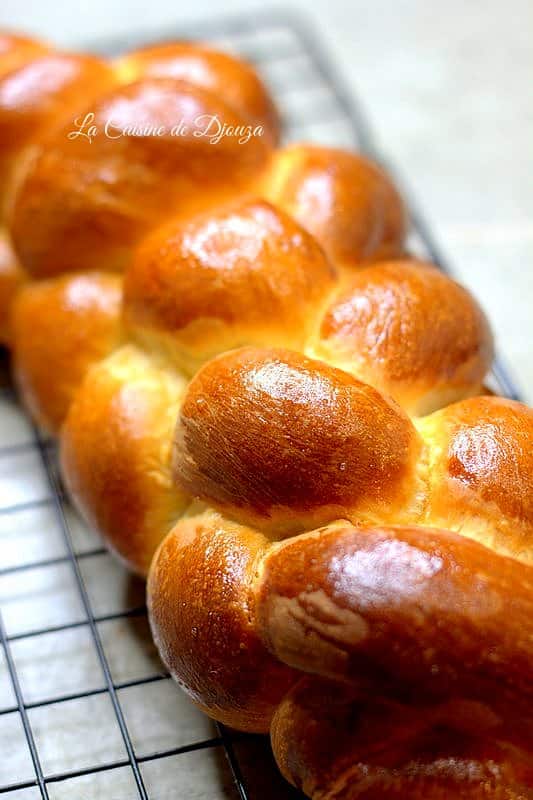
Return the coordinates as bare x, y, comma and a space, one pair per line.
332, 566
186, 319
316, 545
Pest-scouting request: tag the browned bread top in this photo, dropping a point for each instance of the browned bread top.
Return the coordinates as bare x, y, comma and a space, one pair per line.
348, 203
39, 96
406, 328
74, 321
202, 66
481, 471
87, 203
286, 442
244, 272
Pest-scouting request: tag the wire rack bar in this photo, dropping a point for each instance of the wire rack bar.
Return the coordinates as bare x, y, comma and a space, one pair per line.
29, 506
215, 741
68, 626
51, 562
65, 698
139, 611
233, 762
340, 105
23, 713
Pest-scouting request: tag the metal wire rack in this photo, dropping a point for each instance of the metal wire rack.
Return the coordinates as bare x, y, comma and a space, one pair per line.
86, 709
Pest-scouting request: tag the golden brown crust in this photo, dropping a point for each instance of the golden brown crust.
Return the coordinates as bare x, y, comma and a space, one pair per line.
243, 273
115, 453
12, 278
286, 442
433, 627
426, 609
210, 639
411, 332
61, 327
272, 438
481, 472
15, 52
200, 65
339, 742
38, 95
87, 203
429, 634
346, 201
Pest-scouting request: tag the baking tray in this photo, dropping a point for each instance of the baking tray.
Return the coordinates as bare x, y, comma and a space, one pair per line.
86, 708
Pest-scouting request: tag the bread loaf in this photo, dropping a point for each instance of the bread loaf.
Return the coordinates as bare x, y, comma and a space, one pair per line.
268, 405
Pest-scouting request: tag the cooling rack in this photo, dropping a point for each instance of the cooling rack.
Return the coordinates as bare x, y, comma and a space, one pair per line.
86, 708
